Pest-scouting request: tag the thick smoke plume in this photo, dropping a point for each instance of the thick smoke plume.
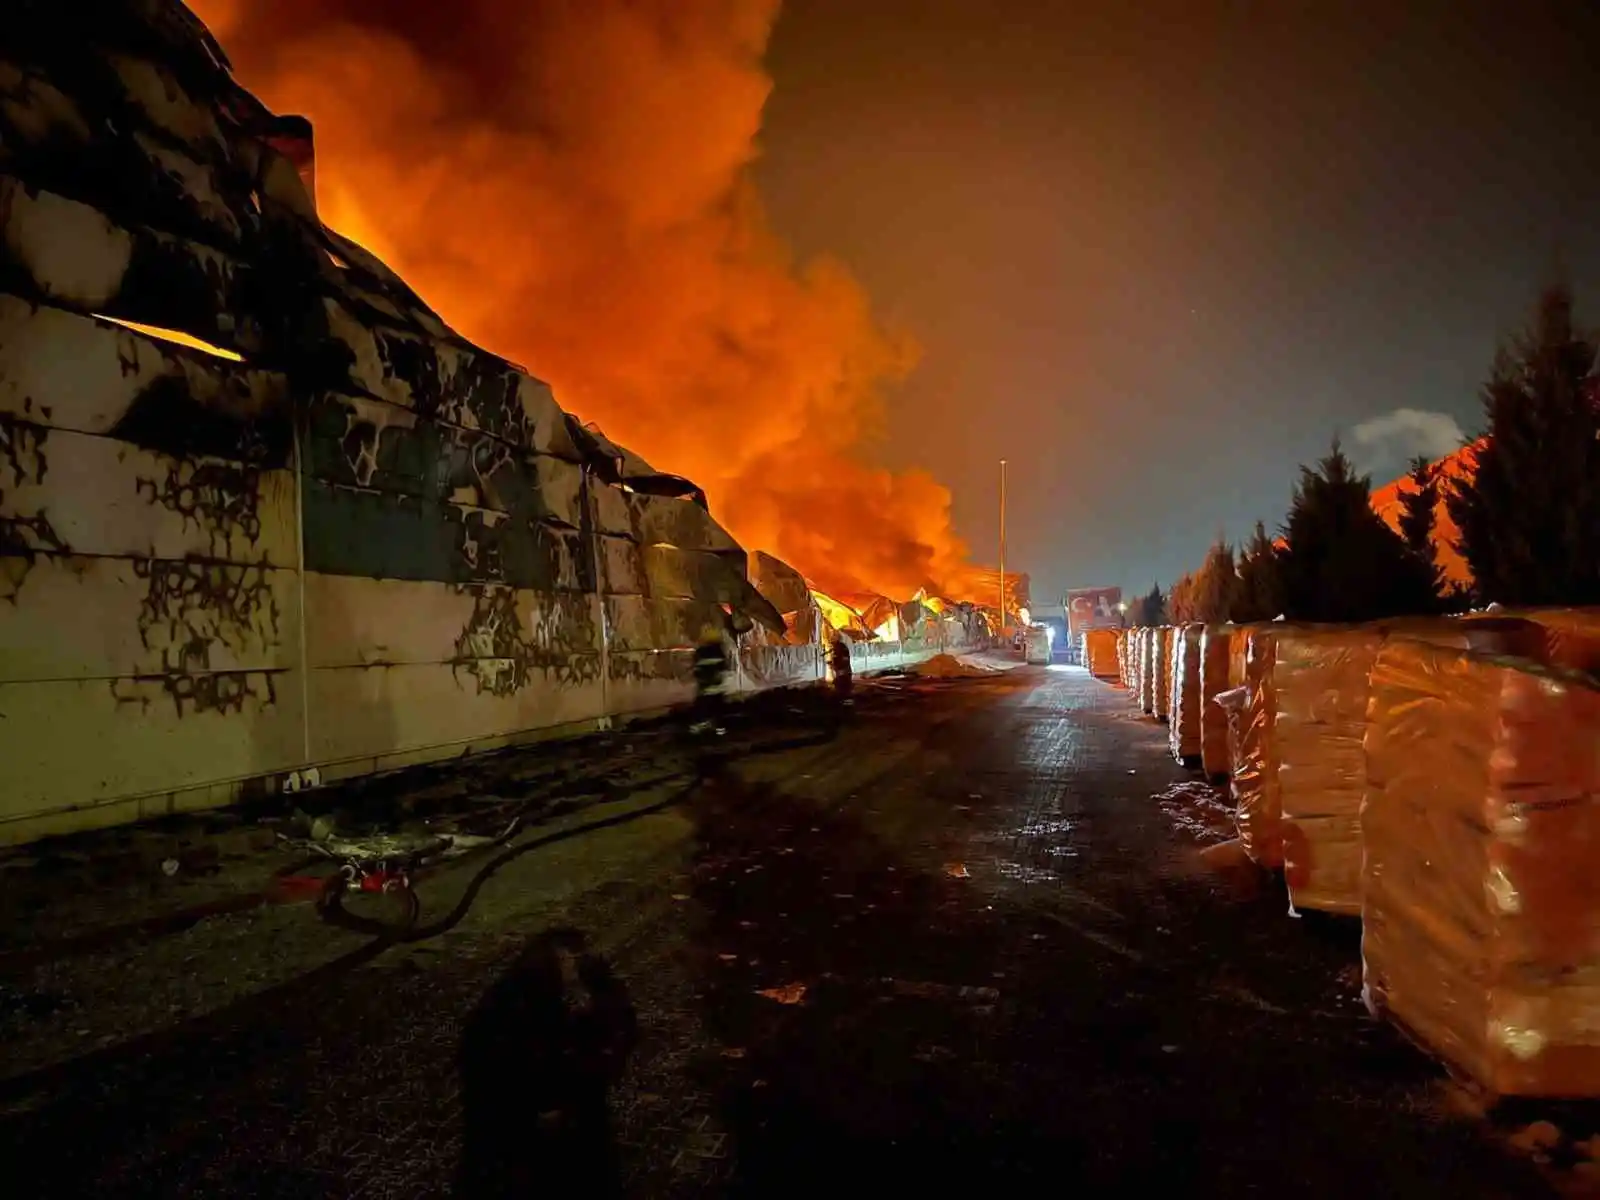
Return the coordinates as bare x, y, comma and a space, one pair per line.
566, 182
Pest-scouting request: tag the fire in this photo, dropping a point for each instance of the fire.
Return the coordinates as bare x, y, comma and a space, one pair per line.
177, 337
568, 184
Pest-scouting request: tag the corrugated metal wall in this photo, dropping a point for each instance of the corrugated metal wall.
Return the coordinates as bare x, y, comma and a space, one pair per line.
342, 536
321, 530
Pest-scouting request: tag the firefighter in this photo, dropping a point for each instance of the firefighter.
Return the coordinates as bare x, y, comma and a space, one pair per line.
839, 660
710, 677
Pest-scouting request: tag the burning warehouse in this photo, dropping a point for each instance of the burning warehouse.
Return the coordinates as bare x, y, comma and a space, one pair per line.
265, 518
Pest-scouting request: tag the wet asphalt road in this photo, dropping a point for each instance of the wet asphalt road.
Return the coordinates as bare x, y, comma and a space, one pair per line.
989, 958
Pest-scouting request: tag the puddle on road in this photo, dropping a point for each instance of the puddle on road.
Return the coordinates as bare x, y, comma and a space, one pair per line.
1056, 827
1200, 809
1043, 838
1024, 873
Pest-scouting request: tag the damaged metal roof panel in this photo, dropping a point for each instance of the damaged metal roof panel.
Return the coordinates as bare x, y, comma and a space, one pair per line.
355, 441
73, 372
354, 621
68, 492
233, 441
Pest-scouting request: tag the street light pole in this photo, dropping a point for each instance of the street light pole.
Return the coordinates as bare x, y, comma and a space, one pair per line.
1002, 547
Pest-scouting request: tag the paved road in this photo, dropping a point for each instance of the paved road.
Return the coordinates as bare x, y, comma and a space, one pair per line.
958, 944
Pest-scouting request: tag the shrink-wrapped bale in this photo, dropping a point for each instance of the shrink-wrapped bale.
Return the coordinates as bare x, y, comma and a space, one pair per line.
1257, 811
1319, 681
1559, 637
1122, 657
1147, 669
1235, 704
1183, 736
1238, 650
1100, 653
1214, 641
1480, 893
1161, 669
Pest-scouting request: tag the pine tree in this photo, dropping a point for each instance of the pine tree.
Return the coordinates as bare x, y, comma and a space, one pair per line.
1417, 506
1260, 594
1418, 509
1530, 515
1216, 585
1151, 608
1341, 562
1180, 601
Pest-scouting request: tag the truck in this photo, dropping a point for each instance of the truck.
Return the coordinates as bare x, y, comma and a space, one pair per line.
1036, 642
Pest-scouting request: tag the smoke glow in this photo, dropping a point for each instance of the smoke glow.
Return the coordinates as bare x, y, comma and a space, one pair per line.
566, 183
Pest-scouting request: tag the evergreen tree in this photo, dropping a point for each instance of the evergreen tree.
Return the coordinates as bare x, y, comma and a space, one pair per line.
1180, 601
1341, 562
1260, 594
1151, 608
1418, 509
1216, 585
1530, 516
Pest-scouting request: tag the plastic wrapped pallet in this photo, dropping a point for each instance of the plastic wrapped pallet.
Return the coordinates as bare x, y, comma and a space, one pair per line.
1214, 640
1257, 811
1161, 670
1235, 704
1561, 637
1100, 653
1319, 682
1322, 844
1147, 669
1238, 649
1480, 897
1183, 736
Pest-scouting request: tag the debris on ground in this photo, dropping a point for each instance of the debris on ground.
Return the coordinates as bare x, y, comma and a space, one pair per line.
1537, 1138
925, 990
1200, 809
948, 666
1231, 865
957, 871
789, 993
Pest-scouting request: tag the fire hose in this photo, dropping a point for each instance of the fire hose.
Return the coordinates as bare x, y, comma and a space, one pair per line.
395, 876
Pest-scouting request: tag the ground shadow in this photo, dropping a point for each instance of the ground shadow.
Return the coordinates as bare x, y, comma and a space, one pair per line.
538, 1058
887, 1010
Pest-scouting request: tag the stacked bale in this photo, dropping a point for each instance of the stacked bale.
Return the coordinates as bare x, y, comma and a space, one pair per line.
1100, 653
1147, 669
1214, 642
1479, 888
1319, 684
1238, 650
1184, 733
1561, 637
1161, 670
1257, 810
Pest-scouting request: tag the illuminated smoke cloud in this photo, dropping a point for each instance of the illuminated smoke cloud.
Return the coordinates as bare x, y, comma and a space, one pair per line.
1397, 436
567, 183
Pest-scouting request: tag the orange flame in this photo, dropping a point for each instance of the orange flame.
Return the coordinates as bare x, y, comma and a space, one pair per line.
567, 183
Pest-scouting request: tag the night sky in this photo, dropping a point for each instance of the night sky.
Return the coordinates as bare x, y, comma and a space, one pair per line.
1158, 253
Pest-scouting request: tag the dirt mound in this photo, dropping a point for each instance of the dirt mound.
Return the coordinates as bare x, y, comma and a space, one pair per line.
948, 666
